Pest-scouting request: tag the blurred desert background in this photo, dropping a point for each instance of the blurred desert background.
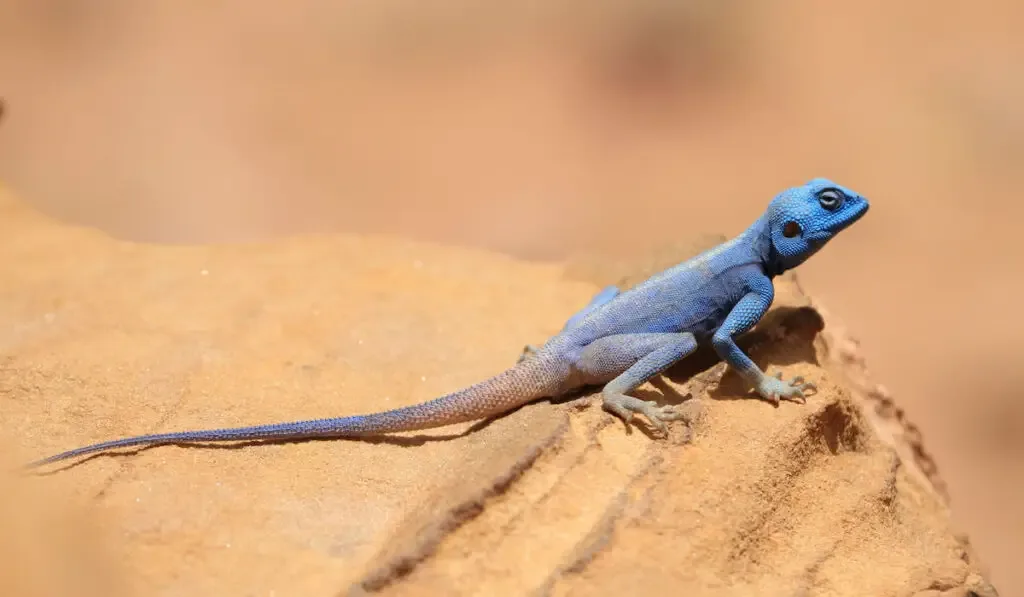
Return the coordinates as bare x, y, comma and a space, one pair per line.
541, 129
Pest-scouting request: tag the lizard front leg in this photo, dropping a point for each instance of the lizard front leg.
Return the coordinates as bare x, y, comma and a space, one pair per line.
744, 315
630, 360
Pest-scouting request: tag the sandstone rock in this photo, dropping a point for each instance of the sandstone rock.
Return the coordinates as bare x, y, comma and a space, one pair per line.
102, 339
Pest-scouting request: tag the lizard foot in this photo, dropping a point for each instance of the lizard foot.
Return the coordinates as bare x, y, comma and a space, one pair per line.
528, 351
625, 407
775, 388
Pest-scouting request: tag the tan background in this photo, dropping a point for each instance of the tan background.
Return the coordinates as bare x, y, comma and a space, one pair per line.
539, 129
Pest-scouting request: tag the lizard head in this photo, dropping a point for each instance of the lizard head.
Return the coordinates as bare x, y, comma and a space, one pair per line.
801, 220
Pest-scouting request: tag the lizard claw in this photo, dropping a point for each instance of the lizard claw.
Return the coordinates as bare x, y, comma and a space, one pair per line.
625, 407
774, 389
795, 381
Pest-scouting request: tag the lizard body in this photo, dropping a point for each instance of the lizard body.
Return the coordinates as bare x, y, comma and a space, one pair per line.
618, 340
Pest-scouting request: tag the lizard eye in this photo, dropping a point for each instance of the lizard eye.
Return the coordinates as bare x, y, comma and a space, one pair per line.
830, 199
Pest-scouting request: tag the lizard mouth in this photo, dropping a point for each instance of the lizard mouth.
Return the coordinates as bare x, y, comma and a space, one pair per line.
855, 213
818, 238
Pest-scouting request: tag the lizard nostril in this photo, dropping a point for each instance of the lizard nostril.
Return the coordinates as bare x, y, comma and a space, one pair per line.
791, 229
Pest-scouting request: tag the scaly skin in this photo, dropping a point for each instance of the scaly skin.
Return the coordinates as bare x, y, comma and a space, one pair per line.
620, 339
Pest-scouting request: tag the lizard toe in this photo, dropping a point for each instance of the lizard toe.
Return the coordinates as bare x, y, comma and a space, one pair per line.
613, 405
626, 407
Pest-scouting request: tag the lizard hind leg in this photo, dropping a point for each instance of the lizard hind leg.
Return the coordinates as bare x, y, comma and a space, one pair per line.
528, 351
601, 298
629, 360
606, 294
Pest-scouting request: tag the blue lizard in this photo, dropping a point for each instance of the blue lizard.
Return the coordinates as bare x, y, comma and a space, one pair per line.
620, 339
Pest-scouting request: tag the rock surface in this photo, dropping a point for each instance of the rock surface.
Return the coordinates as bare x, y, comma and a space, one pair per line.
102, 339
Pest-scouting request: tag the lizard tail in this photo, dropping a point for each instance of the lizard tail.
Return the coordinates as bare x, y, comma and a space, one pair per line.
535, 378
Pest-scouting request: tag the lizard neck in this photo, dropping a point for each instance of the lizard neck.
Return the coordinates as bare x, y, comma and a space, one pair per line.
758, 240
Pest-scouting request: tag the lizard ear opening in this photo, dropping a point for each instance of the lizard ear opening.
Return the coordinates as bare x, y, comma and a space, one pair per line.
791, 230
